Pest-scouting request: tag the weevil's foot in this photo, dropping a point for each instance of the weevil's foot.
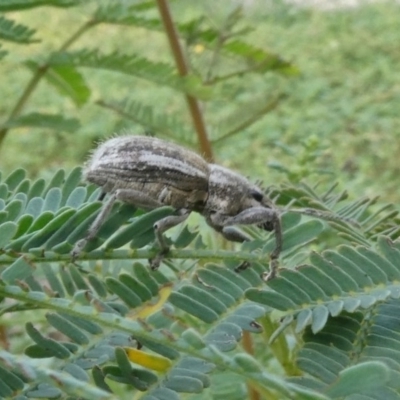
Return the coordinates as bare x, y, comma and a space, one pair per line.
267, 276
242, 267
273, 270
156, 261
77, 250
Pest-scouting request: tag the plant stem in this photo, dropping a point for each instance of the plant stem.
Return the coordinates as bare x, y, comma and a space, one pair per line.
183, 70
247, 343
271, 105
8, 257
36, 78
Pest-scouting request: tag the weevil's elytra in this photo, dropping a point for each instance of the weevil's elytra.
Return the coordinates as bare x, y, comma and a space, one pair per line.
150, 172
168, 173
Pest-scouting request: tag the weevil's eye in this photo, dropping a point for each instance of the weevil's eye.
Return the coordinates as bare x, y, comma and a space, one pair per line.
258, 196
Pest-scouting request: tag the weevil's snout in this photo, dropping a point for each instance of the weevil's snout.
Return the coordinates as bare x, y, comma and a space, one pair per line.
261, 199
267, 225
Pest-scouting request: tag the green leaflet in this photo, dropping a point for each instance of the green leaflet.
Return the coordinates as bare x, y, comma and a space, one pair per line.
136, 286
40, 238
140, 232
18, 270
36, 188
68, 328
67, 80
203, 297
352, 380
51, 346
52, 200
48, 121
3, 191
70, 184
127, 295
193, 307
15, 178
7, 232
14, 209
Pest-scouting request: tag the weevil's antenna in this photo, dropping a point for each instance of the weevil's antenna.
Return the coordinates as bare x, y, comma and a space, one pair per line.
325, 215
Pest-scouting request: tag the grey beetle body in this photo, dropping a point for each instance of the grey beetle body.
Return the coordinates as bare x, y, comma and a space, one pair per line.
161, 170
150, 173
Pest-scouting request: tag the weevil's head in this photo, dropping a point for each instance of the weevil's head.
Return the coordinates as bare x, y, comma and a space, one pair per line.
230, 193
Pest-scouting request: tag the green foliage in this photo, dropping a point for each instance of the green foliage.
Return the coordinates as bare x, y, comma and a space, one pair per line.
79, 71
345, 97
16, 5
15, 32
109, 327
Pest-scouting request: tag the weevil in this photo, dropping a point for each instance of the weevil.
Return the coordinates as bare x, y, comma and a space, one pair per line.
149, 173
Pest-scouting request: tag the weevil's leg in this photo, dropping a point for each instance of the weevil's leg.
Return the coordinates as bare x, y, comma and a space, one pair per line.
274, 264
94, 228
259, 215
242, 266
137, 198
252, 216
159, 228
126, 195
232, 234
102, 196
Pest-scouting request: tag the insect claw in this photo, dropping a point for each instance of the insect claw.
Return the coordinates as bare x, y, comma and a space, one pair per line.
155, 263
242, 267
77, 250
158, 259
273, 269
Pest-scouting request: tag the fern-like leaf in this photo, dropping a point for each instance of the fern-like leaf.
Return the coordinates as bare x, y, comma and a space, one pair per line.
13, 32
48, 121
18, 5
67, 80
169, 332
127, 14
150, 118
122, 324
159, 73
354, 340
257, 59
103, 336
345, 280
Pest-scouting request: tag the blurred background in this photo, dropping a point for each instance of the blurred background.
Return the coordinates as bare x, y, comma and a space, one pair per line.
289, 90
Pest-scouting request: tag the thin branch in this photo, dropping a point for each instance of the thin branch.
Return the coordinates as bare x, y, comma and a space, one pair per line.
215, 56
9, 256
247, 343
183, 70
254, 118
224, 34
